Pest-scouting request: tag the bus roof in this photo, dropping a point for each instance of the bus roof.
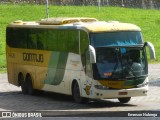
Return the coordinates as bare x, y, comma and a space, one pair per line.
87, 24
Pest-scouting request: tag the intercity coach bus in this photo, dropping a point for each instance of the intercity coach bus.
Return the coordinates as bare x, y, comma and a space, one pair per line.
82, 57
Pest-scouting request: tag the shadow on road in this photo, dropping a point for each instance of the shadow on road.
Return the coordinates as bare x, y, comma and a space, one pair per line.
50, 101
90, 104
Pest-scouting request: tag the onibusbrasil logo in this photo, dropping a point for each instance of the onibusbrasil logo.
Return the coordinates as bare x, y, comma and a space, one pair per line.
9, 114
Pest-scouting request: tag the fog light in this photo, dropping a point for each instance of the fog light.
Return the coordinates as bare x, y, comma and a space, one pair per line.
145, 92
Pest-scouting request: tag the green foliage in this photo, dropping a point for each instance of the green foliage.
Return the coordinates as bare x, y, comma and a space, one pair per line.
147, 20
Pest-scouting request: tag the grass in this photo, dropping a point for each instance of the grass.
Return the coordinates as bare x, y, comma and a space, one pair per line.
147, 20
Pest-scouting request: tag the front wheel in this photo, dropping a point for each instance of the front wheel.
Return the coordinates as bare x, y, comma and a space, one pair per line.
124, 100
76, 93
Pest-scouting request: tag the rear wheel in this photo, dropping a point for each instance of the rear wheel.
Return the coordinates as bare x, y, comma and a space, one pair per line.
29, 85
124, 100
23, 84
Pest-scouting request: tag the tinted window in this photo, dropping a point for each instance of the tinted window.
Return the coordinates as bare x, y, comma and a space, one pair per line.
116, 39
84, 42
32, 39
43, 39
52, 39
17, 37
73, 43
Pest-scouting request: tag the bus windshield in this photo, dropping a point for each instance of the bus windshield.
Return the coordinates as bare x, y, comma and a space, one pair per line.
116, 39
119, 55
120, 63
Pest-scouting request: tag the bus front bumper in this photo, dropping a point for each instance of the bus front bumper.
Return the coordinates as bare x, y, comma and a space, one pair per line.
108, 94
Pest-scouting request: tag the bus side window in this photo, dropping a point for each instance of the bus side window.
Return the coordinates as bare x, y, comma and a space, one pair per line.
63, 40
17, 37
84, 43
32, 39
42, 39
73, 45
52, 40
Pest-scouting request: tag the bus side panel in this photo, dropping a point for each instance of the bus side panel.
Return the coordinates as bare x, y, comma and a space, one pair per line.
63, 68
27, 61
41, 73
11, 67
74, 66
54, 81
12, 78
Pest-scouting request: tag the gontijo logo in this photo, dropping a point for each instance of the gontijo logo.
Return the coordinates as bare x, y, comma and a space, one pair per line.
32, 57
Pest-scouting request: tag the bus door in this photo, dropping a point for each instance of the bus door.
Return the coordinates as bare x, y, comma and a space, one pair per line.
86, 73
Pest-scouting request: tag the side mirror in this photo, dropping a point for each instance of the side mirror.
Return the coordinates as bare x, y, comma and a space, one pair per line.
92, 54
151, 49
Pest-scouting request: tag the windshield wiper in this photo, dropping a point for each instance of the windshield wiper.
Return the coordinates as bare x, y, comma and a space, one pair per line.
136, 76
128, 46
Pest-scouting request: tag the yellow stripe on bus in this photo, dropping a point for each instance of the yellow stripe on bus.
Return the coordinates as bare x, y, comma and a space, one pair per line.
112, 84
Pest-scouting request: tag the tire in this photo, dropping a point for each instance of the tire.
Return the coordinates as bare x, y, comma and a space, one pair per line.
22, 84
30, 86
124, 100
76, 93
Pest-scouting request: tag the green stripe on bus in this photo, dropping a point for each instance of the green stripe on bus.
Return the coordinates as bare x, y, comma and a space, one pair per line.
57, 68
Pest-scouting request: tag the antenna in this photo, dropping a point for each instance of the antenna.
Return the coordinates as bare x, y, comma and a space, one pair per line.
47, 8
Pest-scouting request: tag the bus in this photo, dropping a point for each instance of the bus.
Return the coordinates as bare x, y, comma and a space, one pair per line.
82, 57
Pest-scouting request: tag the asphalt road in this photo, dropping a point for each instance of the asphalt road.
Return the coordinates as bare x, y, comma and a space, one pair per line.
55, 105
